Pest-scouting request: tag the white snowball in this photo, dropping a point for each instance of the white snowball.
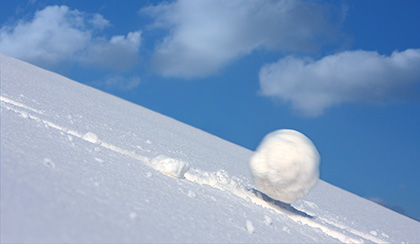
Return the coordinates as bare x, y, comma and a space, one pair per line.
285, 165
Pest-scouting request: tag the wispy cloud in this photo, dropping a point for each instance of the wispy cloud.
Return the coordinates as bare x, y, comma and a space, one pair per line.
311, 86
57, 34
205, 36
120, 82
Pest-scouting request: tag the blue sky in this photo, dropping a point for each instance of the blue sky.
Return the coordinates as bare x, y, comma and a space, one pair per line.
345, 73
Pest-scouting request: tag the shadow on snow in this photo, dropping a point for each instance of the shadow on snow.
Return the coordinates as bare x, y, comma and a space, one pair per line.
286, 207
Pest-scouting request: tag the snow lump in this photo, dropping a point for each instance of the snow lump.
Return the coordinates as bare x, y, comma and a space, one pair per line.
285, 165
170, 166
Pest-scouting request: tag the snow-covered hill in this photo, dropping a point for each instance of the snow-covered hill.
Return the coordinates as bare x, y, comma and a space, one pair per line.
79, 165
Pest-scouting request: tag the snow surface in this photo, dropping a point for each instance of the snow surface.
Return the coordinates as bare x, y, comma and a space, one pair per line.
285, 165
79, 165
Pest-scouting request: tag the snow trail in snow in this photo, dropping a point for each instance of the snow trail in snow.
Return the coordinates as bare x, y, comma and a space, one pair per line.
371, 237
88, 136
17, 104
220, 180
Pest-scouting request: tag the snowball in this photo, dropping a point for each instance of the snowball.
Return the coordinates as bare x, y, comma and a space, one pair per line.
285, 165
170, 166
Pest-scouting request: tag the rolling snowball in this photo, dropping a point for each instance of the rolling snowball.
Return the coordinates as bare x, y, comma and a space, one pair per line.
285, 165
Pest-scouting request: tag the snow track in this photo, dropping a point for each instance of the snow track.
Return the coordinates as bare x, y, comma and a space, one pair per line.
220, 180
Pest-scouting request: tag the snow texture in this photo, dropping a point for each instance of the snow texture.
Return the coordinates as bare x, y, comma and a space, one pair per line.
82, 166
285, 165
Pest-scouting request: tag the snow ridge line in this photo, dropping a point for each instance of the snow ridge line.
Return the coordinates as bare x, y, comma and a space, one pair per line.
17, 104
353, 231
219, 180
89, 136
222, 181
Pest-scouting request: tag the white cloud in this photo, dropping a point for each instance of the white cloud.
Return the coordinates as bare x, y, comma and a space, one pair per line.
57, 34
98, 21
206, 35
353, 76
54, 34
116, 81
119, 53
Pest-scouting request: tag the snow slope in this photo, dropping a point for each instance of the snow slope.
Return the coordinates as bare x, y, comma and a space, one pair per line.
79, 165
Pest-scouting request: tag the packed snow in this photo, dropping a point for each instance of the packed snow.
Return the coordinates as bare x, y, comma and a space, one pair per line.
79, 165
285, 165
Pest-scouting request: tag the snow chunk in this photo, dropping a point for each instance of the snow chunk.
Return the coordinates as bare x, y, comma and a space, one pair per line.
286, 229
49, 163
267, 220
24, 115
133, 215
91, 137
191, 194
285, 165
249, 226
99, 160
170, 166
